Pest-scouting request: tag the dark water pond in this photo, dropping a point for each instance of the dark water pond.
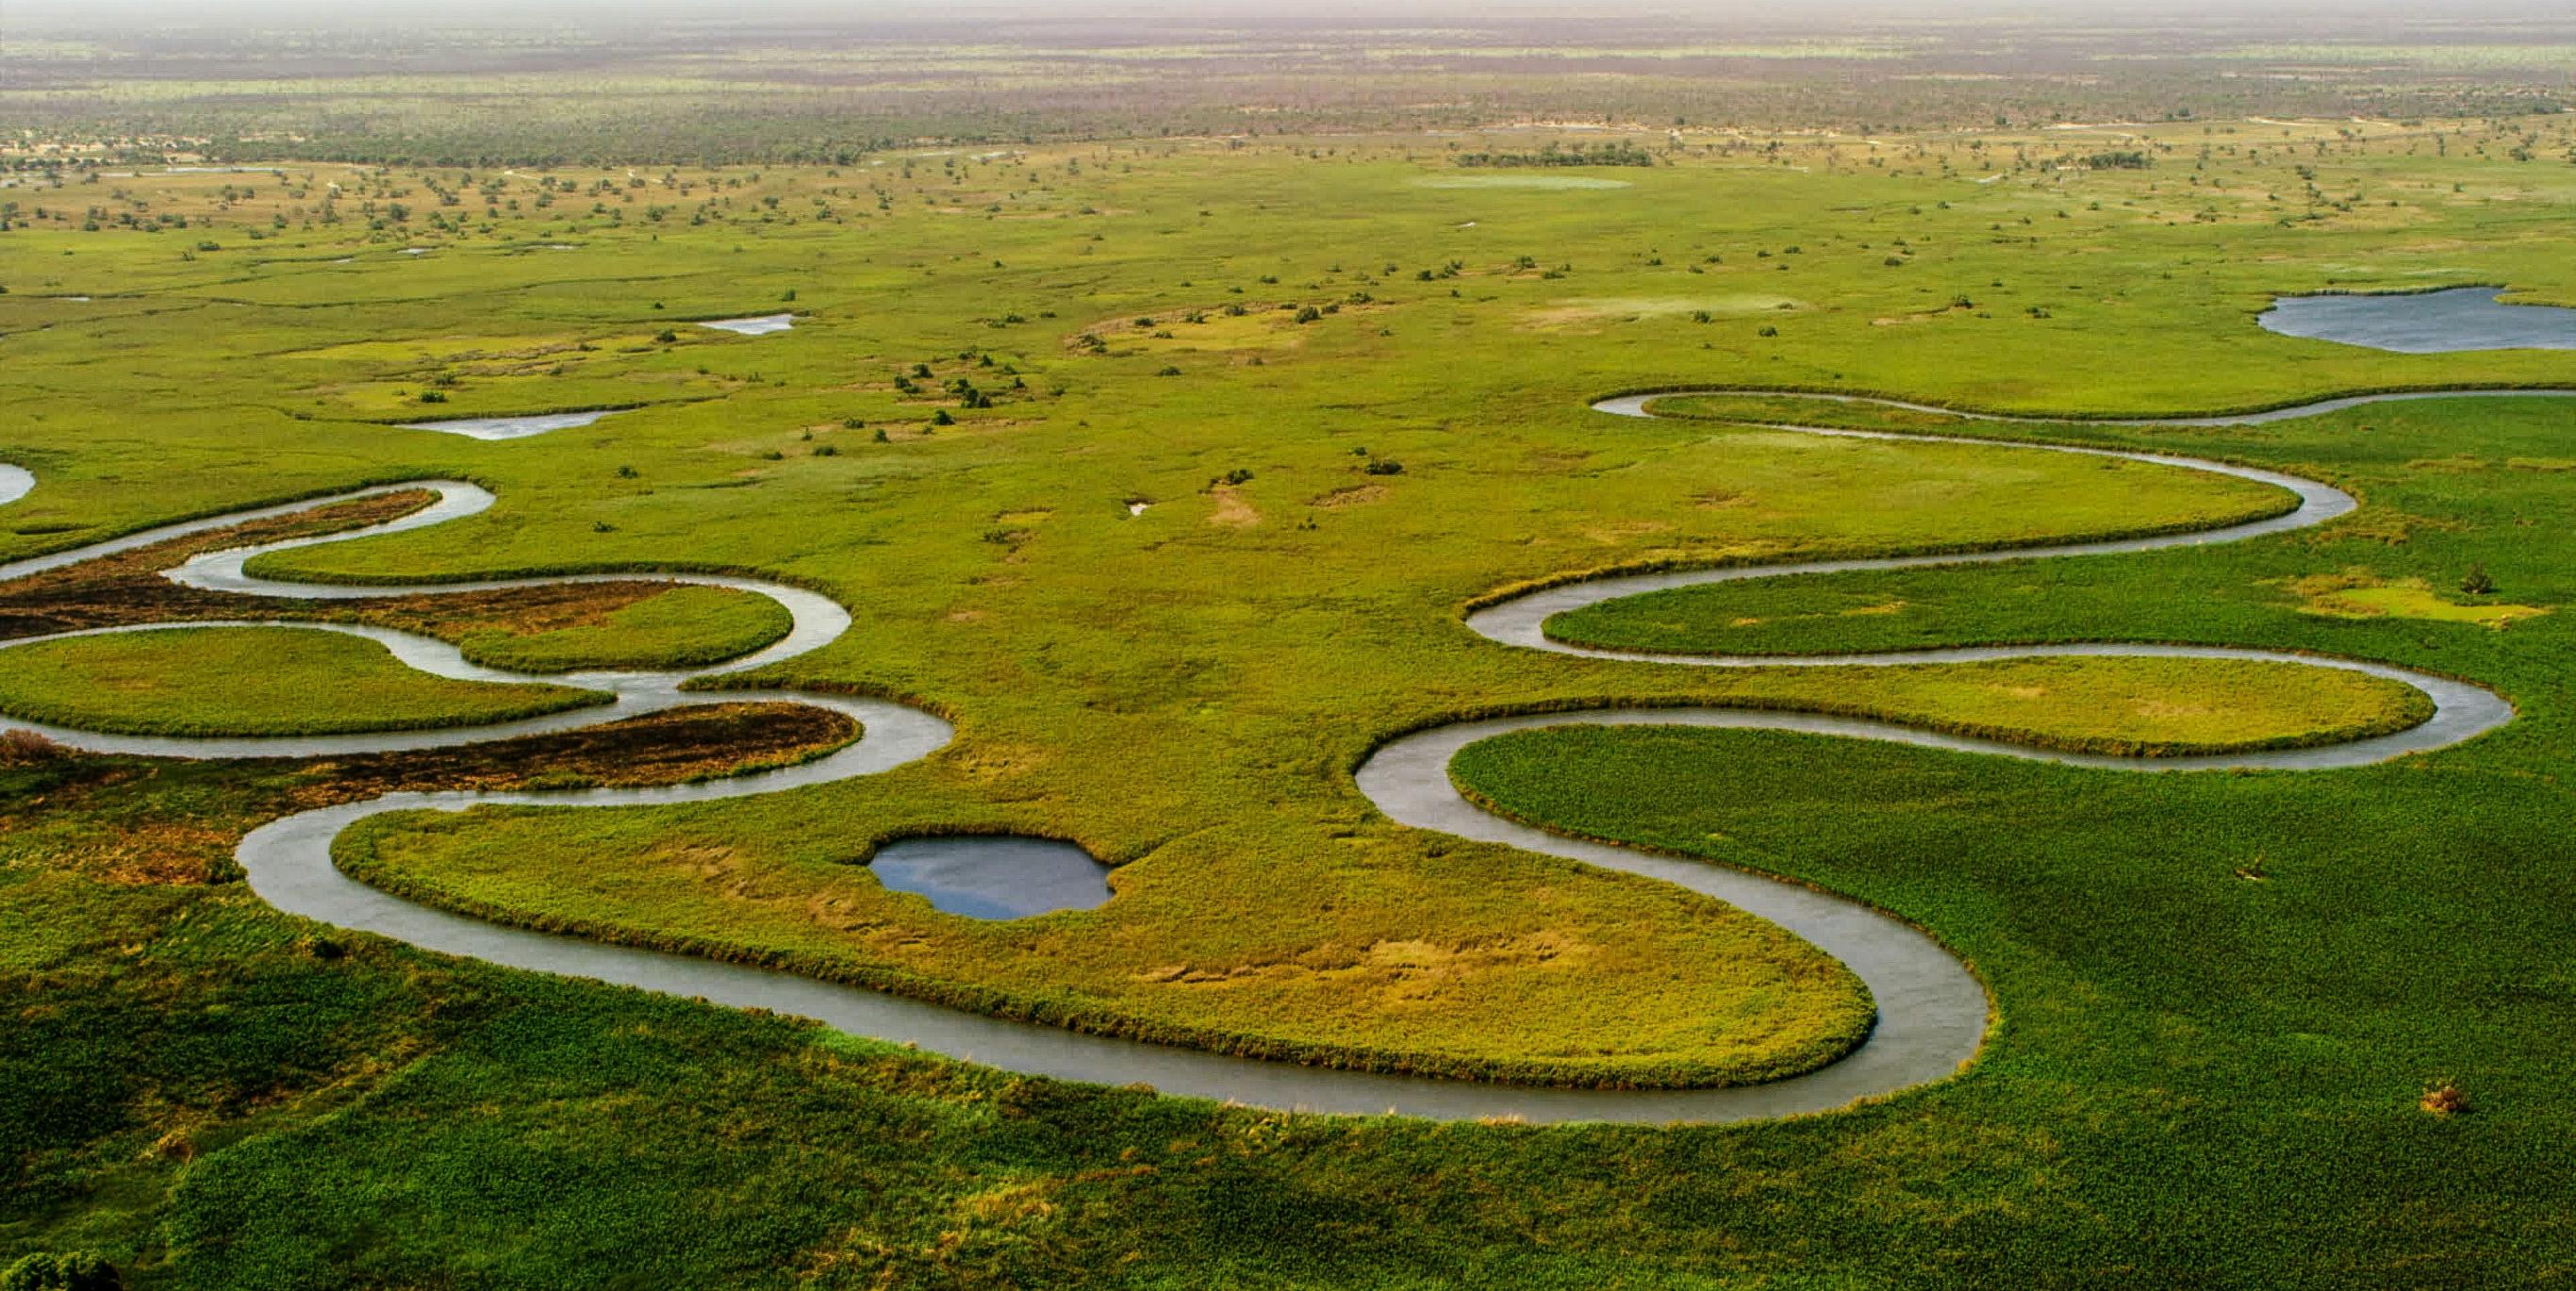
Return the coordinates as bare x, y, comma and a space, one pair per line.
994, 876
2429, 322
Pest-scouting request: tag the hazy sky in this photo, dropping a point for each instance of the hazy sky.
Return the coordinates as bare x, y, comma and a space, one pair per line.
137, 15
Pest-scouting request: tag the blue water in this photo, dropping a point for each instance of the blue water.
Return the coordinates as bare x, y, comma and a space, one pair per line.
998, 876
2430, 322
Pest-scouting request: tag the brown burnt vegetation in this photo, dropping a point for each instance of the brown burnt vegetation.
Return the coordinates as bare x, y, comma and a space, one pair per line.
155, 821
169, 831
127, 588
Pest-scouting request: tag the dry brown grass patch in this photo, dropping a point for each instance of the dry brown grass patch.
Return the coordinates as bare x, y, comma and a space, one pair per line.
1231, 511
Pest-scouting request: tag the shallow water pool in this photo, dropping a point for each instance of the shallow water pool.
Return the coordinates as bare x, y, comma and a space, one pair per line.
994, 876
2425, 322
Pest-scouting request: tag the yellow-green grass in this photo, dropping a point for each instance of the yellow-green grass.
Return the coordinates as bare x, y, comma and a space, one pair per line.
685, 626
1791, 410
1488, 988
2364, 597
2420, 603
2136, 707
250, 681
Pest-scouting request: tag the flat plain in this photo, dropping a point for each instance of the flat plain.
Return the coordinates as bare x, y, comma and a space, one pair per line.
1167, 470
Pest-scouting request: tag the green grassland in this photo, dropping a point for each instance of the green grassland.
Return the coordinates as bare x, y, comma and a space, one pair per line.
2196, 1076
685, 626
251, 681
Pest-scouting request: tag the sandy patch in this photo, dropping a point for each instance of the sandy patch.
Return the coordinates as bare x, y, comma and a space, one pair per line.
1582, 311
1231, 512
1349, 495
1621, 530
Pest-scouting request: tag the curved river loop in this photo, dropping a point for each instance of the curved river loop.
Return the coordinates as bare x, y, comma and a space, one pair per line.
1932, 1012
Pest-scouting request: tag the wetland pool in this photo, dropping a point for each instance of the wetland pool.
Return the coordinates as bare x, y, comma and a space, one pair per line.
993, 876
2424, 322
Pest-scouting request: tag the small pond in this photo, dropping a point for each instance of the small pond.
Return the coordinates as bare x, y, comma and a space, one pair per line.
994, 876
761, 326
2425, 322
511, 427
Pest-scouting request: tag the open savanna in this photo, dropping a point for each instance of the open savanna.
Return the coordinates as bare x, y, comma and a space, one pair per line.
995, 362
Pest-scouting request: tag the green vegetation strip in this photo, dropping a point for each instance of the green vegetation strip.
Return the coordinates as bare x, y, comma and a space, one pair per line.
250, 681
685, 626
2133, 707
1733, 1000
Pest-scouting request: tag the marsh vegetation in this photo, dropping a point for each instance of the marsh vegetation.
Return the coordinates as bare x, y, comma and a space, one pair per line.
1166, 466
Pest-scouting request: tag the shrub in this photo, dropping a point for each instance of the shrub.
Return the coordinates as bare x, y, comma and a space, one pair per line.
2476, 582
826, 450
1384, 466
2445, 1099
23, 747
75, 1271
941, 418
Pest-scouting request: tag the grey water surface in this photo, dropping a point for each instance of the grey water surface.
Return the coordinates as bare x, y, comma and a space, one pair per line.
2424, 322
993, 876
761, 326
512, 427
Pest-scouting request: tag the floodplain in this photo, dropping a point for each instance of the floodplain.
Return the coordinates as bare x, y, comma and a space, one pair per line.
1166, 473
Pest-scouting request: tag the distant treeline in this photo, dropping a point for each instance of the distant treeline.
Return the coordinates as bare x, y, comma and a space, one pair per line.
464, 121
2132, 160
1621, 153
